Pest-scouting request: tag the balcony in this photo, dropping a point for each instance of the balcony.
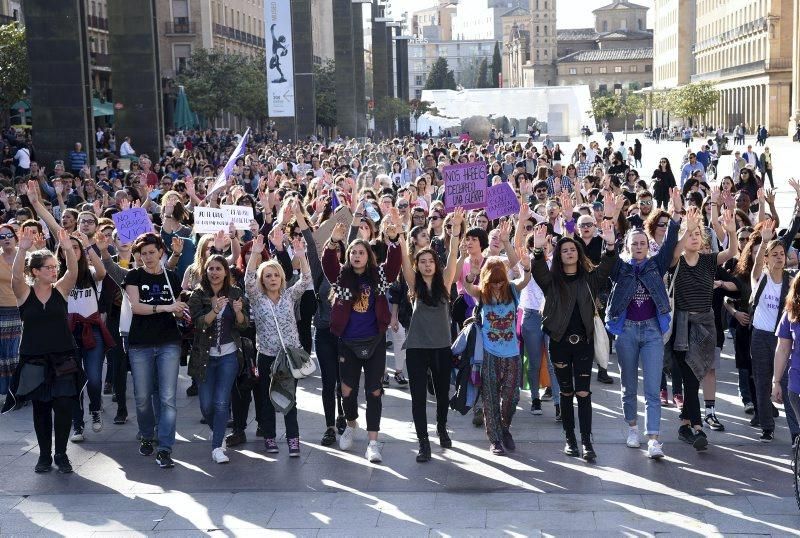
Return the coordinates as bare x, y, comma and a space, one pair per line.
100, 62
758, 25
98, 23
6, 19
238, 35
727, 72
180, 27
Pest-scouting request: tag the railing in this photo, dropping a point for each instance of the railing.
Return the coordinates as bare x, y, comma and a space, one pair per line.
758, 25
238, 35
180, 28
731, 71
100, 60
98, 22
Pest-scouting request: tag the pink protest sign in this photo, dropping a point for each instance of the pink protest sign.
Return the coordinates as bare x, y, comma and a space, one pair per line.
465, 186
501, 201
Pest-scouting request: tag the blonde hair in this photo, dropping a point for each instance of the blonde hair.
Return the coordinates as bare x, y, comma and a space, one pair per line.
263, 267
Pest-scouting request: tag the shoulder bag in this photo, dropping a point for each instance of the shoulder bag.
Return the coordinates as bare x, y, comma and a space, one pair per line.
601, 343
300, 362
671, 294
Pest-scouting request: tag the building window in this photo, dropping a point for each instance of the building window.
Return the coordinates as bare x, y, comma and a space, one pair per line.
573, 71
633, 69
618, 69
180, 11
605, 26
181, 53
418, 94
587, 70
418, 80
603, 70
617, 87
648, 68
602, 88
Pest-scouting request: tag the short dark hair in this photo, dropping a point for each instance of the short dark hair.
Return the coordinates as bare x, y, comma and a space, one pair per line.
148, 239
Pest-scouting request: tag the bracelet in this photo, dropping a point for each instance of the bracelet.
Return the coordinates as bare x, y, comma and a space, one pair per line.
154, 309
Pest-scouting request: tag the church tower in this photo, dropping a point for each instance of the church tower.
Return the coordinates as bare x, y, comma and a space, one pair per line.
543, 42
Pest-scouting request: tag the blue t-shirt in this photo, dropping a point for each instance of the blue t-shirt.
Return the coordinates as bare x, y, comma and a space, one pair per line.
499, 327
790, 330
363, 321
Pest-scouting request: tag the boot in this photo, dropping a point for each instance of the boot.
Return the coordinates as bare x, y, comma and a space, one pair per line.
424, 453
588, 450
444, 438
571, 446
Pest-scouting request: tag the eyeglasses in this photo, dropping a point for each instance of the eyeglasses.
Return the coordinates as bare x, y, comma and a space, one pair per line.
646, 202
586, 225
7, 235
538, 191
741, 239
50, 267
87, 221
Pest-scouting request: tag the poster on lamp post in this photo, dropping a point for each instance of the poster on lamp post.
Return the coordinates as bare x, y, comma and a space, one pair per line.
280, 62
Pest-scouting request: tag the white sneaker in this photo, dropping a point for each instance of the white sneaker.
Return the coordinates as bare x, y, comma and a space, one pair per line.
77, 436
655, 449
97, 421
346, 439
219, 456
633, 437
373, 452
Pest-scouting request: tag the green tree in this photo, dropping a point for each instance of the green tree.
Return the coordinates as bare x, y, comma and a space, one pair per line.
13, 67
692, 101
325, 92
630, 104
497, 66
483, 75
419, 107
440, 77
389, 109
250, 96
605, 106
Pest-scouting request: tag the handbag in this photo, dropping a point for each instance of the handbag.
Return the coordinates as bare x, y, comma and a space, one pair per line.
300, 363
601, 343
667, 335
248, 375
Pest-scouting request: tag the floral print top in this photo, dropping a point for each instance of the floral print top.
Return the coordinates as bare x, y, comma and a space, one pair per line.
267, 340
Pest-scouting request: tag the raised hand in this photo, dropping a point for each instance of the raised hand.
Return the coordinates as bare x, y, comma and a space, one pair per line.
795, 184
715, 194
177, 245
102, 241
39, 242
729, 222
524, 259
505, 231
80, 236
124, 204
276, 238
457, 221
769, 196
566, 205
97, 206
768, 231
337, 234
258, 244
219, 240
63, 236
607, 232
299, 246
692, 219
539, 236
27, 237
760, 195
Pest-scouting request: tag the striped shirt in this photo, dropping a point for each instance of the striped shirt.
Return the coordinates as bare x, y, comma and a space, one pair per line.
695, 284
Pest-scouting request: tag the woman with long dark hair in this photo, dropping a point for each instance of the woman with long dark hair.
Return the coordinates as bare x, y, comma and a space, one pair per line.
569, 286
427, 343
663, 181
786, 368
359, 317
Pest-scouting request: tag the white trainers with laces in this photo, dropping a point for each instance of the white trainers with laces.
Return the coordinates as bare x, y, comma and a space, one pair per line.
633, 437
219, 456
346, 439
655, 449
373, 453
97, 421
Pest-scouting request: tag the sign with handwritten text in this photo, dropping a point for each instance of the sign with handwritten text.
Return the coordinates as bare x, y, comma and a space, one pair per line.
132, 223
213, 219
464, 186
501, 201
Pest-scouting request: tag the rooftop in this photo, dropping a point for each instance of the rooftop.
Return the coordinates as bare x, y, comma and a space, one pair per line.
608, 55
626, 34
576, 34
620, 4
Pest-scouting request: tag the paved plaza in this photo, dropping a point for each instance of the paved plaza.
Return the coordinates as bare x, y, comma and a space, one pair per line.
738, 486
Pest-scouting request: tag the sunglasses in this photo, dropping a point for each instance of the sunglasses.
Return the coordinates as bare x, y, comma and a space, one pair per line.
435, 217
646, 202
402, 206
586, 225
662, 225
540, 190
7, 235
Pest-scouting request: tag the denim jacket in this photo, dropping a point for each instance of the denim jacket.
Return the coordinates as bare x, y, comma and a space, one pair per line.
651, 273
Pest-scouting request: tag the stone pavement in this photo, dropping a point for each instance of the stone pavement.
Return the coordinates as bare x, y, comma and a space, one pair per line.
739, 486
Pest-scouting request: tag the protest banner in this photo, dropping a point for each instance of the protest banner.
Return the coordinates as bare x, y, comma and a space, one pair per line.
323, 233
132, 223
210, 220
501, 201
465, 186
240, 215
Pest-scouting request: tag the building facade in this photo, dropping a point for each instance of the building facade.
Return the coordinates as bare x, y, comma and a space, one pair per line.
435, 22
463, 58
482, 19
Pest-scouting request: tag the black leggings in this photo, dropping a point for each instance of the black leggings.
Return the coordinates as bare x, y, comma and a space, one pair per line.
418, 362
240, 405
308, 306
350, 371
53, 415
327, 348
691, 386
572, 364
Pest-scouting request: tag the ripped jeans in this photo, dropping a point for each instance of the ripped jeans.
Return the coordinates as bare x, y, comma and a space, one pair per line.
573, 367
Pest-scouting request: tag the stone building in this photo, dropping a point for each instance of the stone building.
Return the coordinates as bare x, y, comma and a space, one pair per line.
435, 22
463, 58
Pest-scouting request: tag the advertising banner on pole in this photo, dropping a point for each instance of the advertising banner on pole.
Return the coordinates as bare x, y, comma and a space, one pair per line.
280, 62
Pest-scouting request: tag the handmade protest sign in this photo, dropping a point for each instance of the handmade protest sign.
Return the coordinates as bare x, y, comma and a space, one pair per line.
501, 201
210, 220
464, 186
241, 216
132, 223
323, 233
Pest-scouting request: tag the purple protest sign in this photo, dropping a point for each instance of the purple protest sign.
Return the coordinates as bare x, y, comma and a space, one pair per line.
132, 223
464, 186
501, 201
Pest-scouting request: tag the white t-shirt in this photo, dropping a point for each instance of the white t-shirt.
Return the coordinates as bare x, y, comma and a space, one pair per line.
83, 301
23, 156
766, 315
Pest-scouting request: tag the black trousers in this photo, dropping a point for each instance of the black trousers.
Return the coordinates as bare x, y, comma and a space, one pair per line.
327, 348
54, 416
418, 362
268, 410
350, 368
572, 364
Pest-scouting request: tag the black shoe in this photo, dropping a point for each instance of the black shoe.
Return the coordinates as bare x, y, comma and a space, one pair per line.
767, 436
424, 453
497, 449
714, 423
444, 437
386, 380
603, 377
571, 446
146, 447
341, 424
203, 420
700, 440
236, 437
775, 412
588, 450
536, 407
107, 389
329, 437
686, 434
44, 465
558, 413
192, 390
63, 464
121, 416
548, 394
754, 422
164, 460
113, 398
229, 424
508, 441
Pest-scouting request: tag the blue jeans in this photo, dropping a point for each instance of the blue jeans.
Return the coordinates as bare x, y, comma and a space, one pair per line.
93, 366
215, 394
641, 341
533, 338
151, 365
